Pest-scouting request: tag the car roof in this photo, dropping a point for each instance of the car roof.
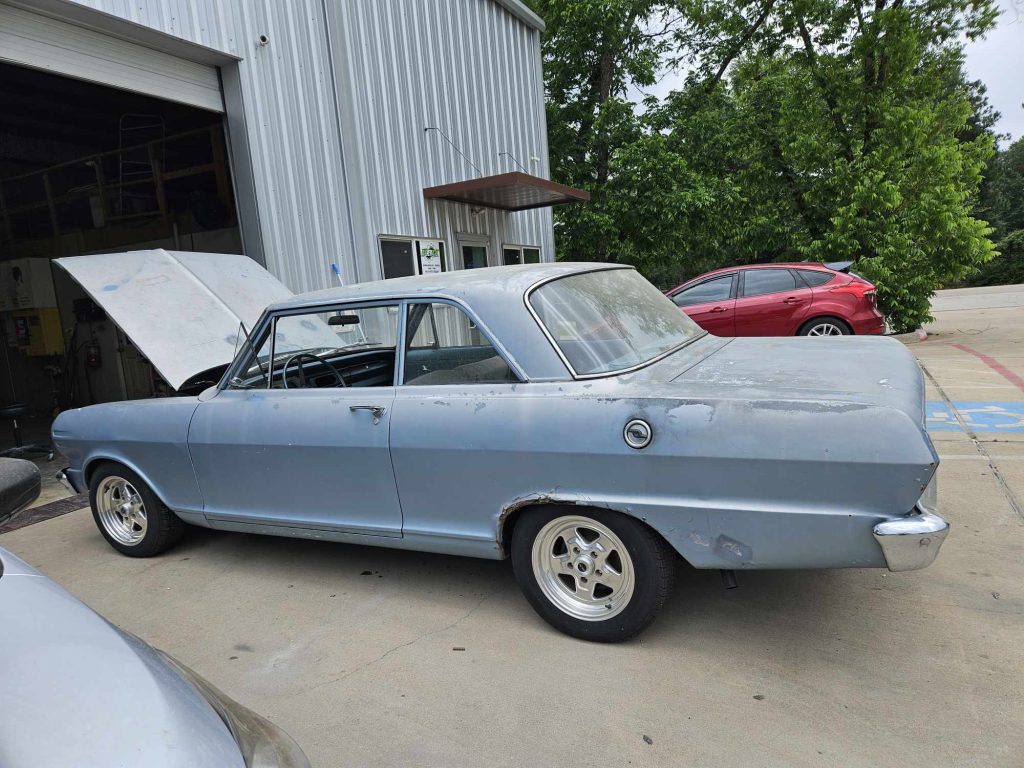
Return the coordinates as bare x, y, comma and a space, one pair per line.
815, 265
812, 265
495, 295
472, 285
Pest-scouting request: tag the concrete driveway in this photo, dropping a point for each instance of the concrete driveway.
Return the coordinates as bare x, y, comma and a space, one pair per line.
376, 657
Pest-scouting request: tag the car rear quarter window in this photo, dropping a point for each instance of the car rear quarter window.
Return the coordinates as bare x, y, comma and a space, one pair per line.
715, 289
815, 277
758, 282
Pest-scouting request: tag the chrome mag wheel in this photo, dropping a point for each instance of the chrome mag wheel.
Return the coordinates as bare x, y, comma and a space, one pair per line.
121, 511
825, 329
583, 568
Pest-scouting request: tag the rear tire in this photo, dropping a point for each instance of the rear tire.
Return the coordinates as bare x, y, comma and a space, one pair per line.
129, 515
591, 573
825, 326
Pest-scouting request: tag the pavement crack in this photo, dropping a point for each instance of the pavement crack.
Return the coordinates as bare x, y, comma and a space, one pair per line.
400, 646
1011, 498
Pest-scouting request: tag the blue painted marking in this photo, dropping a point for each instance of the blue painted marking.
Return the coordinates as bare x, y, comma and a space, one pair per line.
110, 287
939, 417
979, 416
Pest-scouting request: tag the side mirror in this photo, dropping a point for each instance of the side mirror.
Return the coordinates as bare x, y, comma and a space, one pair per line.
343, 320
19, 486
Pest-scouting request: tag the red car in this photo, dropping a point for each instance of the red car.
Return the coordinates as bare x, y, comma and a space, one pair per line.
802, 299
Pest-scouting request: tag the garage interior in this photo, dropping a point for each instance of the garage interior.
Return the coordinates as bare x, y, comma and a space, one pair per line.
87, 168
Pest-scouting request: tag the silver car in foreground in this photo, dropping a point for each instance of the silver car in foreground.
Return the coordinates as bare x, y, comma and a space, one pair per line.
77, 691
567, 416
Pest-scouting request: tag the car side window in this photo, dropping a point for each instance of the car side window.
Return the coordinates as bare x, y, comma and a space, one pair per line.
715, 289
758, 282
443, 346
323, 349
814, 277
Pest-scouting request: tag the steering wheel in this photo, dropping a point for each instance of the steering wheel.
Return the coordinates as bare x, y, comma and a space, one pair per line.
302, 373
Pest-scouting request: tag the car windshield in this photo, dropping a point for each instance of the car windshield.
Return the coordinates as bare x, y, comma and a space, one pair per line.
610, 320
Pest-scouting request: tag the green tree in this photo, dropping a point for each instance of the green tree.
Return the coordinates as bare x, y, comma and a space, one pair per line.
806, 129
1006, 189
1002, 201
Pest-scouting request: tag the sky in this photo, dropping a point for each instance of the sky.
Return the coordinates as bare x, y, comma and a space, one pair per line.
997, 60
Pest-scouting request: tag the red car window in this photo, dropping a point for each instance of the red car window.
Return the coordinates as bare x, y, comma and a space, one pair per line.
715, 289
815, 277
758, 282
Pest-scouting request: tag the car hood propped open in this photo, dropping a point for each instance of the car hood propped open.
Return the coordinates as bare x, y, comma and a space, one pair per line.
181, 309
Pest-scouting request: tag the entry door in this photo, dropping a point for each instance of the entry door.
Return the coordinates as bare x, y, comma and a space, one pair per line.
474, 252
313, 455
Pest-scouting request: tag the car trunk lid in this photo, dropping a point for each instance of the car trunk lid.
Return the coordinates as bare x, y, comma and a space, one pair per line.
871, 371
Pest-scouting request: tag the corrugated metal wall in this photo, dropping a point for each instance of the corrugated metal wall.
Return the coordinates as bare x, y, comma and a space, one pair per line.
465, 66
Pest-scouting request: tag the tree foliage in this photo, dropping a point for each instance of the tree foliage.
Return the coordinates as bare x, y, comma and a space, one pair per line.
1002, 203
804, 129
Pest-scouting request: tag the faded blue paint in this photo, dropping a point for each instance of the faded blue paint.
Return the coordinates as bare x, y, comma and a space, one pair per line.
767, 452
979, 416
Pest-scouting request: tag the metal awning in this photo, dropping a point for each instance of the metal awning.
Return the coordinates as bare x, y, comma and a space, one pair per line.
508, 192
181, 309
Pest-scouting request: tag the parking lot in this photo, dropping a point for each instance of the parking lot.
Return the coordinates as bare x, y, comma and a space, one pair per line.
378, 657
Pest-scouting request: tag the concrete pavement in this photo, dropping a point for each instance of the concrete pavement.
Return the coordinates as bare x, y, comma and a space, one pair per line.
376, 657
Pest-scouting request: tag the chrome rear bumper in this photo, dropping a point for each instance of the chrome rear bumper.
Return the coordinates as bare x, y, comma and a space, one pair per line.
913, 541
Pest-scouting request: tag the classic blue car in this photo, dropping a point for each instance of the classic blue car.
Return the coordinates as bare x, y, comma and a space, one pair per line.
566, 416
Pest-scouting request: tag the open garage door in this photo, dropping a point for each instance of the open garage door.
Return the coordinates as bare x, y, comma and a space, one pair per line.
106, 145
33, 40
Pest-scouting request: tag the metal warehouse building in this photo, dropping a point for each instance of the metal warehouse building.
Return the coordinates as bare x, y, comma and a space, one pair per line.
329, 140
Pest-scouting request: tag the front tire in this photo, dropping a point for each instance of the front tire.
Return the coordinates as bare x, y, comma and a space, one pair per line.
593, 574
129, 515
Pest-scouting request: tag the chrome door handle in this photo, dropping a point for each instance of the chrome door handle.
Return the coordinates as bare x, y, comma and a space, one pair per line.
377, 411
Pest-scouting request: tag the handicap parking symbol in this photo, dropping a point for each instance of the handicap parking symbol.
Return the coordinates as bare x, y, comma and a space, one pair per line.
978, 416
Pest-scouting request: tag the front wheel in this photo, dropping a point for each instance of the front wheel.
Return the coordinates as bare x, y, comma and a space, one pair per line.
596, 575
129, 515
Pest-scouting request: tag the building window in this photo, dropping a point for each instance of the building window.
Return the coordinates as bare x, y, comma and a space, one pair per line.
474, 256
402, 257
520, 254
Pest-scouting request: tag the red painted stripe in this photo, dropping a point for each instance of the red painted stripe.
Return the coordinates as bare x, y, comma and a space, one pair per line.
995, 365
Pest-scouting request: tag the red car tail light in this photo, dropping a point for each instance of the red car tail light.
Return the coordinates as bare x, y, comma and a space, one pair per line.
860, 289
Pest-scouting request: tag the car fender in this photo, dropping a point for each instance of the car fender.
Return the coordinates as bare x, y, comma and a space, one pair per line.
150, 437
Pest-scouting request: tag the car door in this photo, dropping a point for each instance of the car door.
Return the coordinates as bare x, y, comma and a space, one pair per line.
771, 302
457, 397
710, 303
285, 444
